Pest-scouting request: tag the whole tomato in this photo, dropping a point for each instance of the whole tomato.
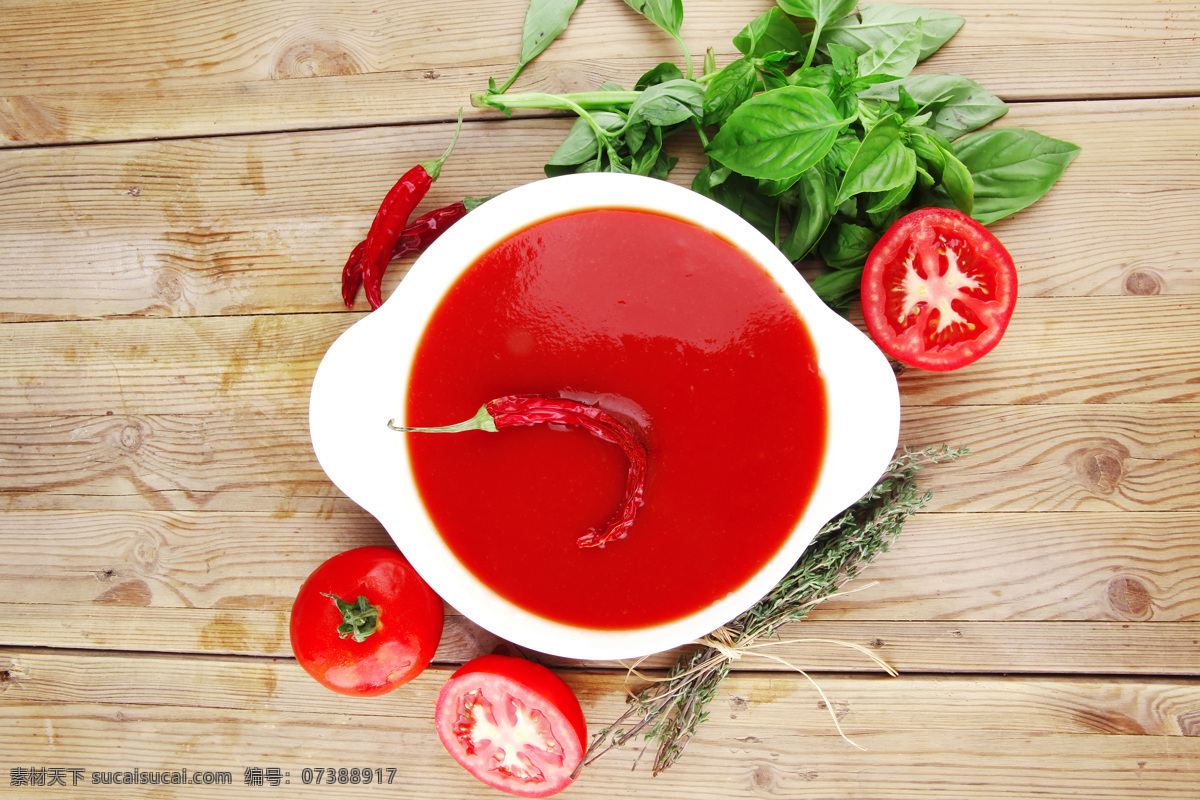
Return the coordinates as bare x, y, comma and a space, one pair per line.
365, 622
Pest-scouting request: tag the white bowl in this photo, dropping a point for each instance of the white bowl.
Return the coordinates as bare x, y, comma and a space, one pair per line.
361, 384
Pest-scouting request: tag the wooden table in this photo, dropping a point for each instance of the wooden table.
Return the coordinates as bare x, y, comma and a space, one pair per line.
179, 186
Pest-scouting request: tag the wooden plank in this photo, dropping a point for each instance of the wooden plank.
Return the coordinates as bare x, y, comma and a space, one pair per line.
1058, 458
1059, 350
251, 452
1046, 593
262, 224
1004, 647
259, 366
127, 70
1025, 458
1095, 567
969, 737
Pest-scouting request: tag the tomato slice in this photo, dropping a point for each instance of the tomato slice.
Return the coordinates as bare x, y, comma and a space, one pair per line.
513, 724
938, 290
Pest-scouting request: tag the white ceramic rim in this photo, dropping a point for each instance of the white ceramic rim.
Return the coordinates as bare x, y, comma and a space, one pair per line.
362, 379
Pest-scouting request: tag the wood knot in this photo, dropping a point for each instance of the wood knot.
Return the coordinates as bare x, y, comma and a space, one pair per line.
1129, 598
130, 437
168, 287
763, 778
1100, 468
314, 60
1143, 282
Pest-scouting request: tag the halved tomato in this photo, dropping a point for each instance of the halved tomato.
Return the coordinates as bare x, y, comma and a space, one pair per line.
938, 290
513, 724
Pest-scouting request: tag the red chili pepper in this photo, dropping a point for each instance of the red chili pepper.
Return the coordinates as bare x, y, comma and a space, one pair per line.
390, 220
525, 409
416, 237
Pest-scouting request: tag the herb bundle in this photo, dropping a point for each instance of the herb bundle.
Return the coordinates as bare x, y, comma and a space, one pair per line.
818, 133
670, 711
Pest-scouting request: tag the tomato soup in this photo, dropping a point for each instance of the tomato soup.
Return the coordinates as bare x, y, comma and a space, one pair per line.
661, 322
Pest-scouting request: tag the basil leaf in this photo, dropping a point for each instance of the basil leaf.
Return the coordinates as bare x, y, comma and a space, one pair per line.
728, 89
545, 20
666, 71
932, 148
959, 105
668, 103
581, 142
883, 162
739, 195
821, 78
778, 134
839, 287
814, 193
895, 57
1011, 168
666, 14
880, 202
824, 12
772, 31
847, 245
882, 22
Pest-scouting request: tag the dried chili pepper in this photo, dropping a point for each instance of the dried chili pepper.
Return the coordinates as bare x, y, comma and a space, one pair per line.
391, 219
525, 409
414, 239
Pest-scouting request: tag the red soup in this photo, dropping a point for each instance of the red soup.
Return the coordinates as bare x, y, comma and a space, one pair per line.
659, 321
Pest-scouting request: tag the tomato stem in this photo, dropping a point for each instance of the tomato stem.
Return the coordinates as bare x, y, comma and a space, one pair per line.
359, 619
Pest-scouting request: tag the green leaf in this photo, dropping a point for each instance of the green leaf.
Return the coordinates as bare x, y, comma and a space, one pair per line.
545, 20
824, 12
814, 209
668, 103
740, 195
895, 57
839, 287
959, 184
666, 71
778, 134
932, 148
728, 89
882, 22
883, 161
847, 245
773, 31
666, 14
581, 142
959, 105
1011, 168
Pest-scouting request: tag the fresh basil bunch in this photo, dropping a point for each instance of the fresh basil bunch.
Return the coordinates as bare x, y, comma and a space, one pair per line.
818, 134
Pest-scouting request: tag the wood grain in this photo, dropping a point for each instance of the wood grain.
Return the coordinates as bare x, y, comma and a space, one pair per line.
263, 224
968, 737
130, 70
1125, 567
1054, 458
999, 592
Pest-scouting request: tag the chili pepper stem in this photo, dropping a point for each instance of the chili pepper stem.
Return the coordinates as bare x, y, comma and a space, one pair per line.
482, 421
434, 168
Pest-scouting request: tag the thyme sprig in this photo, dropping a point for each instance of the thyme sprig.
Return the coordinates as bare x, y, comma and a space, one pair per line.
669, 711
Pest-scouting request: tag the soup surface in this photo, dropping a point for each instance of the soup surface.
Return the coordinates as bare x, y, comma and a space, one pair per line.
654, 319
